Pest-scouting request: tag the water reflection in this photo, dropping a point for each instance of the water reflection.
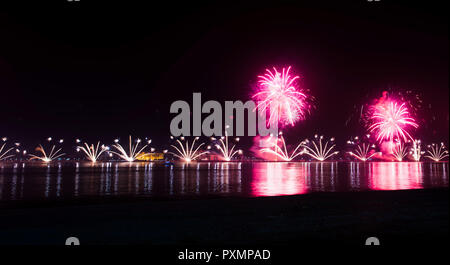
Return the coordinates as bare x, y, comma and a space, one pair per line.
396, 176
27, 181
274, 179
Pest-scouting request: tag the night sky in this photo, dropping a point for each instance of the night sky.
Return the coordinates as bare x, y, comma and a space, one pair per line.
100, 70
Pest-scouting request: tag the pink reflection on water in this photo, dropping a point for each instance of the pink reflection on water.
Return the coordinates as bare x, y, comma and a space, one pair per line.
274, 179
395, 175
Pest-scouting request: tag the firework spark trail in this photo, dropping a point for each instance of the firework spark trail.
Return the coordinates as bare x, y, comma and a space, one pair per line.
277, 94
93, 153
188, 154
416, 151
282, 152
3, 154
400, 152
320, 152
47, 158
436, 152
390, 122
132, 154
362, 152
227, 153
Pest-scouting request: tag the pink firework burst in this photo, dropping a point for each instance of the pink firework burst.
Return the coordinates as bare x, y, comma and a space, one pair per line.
391, 121
278, 94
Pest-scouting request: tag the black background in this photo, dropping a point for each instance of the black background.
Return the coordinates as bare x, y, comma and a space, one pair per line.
101, 69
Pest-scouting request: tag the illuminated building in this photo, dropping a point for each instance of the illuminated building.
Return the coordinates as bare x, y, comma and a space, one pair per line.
150, 156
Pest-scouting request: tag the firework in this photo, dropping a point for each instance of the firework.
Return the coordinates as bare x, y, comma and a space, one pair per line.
416, 151
187, 153
92, 153
47, 158
4, 153
399, 152
391, 121
320, 151
436, 152
278, 94
132, 154
282, 152
223, 147
362, 151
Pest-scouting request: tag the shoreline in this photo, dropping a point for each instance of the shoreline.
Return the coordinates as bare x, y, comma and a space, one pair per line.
403, 216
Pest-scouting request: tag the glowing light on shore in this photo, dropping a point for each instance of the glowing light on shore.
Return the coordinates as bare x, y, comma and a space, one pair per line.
278, 94
320, 151
391, 121
52, 155
133, 150
4, 152
436, 152
92, 153
399, 152
282, 152
188, 153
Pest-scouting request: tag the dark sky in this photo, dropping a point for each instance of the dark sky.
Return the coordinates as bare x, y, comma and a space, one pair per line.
98, 70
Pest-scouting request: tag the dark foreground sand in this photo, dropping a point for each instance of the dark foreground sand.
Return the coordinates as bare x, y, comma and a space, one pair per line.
406, 217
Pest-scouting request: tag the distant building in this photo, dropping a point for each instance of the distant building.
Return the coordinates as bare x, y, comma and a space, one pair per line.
150, 156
